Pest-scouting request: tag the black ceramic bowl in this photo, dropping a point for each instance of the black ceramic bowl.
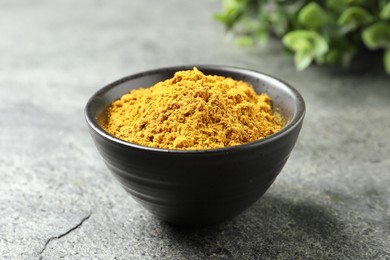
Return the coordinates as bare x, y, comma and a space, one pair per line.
198, 187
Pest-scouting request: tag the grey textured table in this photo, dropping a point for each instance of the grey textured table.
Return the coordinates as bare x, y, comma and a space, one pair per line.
58, 200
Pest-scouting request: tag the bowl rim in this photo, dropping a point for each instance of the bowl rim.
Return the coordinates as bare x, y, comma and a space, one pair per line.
290, 126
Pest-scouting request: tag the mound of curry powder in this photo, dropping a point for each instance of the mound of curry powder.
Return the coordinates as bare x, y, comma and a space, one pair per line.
193, 111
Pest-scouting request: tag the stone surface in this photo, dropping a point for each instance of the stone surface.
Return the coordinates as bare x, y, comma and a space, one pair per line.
57, 199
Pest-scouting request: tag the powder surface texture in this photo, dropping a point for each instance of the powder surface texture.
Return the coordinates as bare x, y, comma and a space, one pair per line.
193, 111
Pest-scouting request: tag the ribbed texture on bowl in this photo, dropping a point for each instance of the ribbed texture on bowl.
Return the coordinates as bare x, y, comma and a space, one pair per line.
198, 187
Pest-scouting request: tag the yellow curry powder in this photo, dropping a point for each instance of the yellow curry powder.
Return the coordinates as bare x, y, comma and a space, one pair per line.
193, 111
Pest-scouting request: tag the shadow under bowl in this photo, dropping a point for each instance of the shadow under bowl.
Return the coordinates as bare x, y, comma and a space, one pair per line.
198, 187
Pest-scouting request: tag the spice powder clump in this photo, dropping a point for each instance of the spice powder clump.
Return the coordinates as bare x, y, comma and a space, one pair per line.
193, 111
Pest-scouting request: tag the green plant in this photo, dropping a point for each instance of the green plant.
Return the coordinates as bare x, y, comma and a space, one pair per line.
322, 31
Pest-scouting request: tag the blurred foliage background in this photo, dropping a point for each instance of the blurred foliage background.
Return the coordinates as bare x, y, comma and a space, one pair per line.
323, 31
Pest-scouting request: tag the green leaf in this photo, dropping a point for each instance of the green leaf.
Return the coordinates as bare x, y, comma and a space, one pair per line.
233, 10
354, 17
302, 60
332, 56
385, 12
278, 21
386, 61
335, 4
347, 56
234, 4
227, 18
306, 41
377, 36
340, 4
312, 16
339, 55
245, 41
307, 46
